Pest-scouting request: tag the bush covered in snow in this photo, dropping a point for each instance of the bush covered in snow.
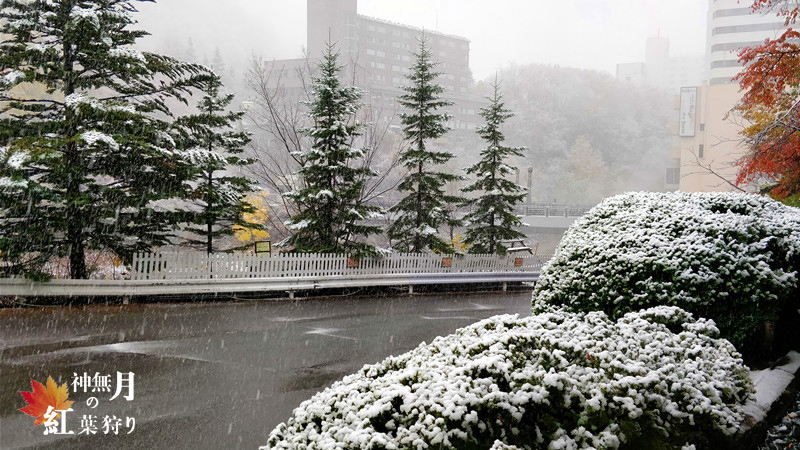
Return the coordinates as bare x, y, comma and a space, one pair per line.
729, 257
556, 380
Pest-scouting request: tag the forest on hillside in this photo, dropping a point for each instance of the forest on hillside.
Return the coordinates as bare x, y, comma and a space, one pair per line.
588, 135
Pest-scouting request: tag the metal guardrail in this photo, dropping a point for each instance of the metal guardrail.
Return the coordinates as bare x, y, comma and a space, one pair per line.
174, 274
138, 288
194, 265
554, 209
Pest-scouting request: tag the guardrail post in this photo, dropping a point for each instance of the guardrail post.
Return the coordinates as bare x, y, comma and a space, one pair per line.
410, 289
530, 184
505, 286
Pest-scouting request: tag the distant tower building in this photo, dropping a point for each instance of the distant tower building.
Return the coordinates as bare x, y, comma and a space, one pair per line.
661, 70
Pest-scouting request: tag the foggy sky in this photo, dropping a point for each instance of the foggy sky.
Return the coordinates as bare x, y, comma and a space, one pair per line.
588, 34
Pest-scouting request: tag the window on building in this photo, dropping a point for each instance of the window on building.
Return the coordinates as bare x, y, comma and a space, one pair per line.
380, 53
370, 52
732, 12
700, 150
673, 175
748, 28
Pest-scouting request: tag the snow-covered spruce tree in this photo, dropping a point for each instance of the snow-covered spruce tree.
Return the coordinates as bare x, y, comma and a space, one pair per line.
85, 145
421, 213
492, 219
213, 147
332, 211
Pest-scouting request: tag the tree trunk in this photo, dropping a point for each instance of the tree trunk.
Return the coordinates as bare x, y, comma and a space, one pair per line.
74, 170
209, 220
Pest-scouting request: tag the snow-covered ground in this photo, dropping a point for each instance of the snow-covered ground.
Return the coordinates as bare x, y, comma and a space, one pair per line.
769, 384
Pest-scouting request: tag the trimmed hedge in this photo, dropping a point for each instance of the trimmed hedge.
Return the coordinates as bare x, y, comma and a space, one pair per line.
555, 380
729, 257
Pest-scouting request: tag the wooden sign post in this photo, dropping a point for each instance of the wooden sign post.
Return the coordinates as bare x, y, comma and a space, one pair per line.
263, 247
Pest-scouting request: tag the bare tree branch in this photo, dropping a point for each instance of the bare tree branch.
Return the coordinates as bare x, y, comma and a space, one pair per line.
708, 168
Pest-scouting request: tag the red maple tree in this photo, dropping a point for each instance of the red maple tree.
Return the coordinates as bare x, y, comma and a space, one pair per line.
770, 81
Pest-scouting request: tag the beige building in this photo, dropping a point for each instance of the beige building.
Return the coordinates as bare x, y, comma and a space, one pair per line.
707, 141
707, 138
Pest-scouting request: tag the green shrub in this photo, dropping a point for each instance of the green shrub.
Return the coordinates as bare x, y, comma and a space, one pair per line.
729, 257
556, 380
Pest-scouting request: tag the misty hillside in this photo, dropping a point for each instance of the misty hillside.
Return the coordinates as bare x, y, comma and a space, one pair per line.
588, 134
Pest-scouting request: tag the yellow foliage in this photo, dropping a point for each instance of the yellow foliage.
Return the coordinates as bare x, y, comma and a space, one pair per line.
458, 244
245, 234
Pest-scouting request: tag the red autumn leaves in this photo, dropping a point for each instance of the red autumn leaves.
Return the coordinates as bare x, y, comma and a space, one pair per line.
41, 398
771, 85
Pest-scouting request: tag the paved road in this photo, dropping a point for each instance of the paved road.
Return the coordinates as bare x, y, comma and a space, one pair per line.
211, 375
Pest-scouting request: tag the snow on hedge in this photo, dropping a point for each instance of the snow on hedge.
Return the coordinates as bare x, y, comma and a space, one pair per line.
726, 256
555, 380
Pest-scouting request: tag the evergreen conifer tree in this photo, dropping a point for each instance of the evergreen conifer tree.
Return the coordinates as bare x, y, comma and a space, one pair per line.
492, 218
189, 53
212, 146
332, 212
85, 146
217, 63
423, 211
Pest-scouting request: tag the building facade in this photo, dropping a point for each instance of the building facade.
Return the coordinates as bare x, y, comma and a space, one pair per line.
378, 56
708, 146
731, 26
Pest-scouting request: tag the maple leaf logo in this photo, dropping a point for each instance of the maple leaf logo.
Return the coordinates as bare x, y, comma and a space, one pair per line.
42, 397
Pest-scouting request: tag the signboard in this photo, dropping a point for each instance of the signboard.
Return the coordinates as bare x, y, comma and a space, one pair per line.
262, 247
352, 263
447, 262
517, 262
688, 111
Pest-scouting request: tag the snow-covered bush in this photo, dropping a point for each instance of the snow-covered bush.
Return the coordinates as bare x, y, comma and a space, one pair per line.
556, 380
729, 257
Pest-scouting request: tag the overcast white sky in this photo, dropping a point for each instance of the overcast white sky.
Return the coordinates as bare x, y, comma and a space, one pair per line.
589, 34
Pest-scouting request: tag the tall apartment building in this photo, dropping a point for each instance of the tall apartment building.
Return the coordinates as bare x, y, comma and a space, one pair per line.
706, 137
732, 26
378, 55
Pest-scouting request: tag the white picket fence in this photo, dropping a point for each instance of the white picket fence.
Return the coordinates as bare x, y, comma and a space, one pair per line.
198, 266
